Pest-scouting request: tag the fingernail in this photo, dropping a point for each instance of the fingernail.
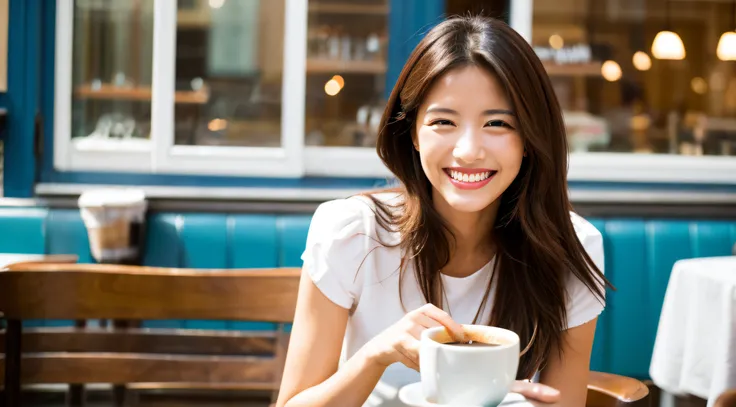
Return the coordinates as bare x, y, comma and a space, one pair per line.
550, 392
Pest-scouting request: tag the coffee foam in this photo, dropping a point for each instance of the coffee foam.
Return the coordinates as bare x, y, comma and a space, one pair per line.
474, 334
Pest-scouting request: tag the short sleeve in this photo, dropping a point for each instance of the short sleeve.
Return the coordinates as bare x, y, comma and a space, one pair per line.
335, 248
583, 305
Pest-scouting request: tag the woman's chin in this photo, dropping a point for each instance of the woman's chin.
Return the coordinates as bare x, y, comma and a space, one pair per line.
468, 202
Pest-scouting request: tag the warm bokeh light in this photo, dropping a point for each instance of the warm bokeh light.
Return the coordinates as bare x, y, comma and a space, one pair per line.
340, 80
217, 3
611, 71
642, 61
217, 125
556, 41
726, 50
668, 45
332, 87
699, 85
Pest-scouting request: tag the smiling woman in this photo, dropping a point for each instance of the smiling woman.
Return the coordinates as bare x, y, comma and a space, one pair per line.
479, 232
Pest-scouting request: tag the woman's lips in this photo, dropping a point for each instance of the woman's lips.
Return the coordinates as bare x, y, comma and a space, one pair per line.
470, 178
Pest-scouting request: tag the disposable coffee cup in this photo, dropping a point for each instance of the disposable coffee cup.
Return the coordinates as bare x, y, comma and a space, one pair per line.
114, 220
479, 373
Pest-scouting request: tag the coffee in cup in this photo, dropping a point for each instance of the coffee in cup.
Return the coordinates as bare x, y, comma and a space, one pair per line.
479, 371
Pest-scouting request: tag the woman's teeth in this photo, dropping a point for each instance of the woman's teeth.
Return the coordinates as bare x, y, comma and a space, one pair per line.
465, 177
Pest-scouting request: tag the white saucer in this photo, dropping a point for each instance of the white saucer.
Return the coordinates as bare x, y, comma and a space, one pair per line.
412, 395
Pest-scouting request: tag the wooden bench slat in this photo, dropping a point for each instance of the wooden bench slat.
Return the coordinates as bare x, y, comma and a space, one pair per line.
85, 291
144, 368
147, 340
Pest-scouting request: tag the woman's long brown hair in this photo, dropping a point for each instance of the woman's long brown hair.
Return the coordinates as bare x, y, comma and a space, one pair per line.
537, 247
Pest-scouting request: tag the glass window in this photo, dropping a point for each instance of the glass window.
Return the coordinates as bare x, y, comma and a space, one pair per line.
346, 71
623, 92
111, 72
229, 66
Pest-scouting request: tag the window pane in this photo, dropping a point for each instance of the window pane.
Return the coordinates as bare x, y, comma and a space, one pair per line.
617, 96
346, 67
111, 75
229, 66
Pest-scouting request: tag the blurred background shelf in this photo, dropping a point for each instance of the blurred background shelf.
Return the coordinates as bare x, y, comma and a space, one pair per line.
328, 66
138, 93
589, 69
341, 8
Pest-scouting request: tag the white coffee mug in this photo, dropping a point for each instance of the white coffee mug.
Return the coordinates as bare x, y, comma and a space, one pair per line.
468, 375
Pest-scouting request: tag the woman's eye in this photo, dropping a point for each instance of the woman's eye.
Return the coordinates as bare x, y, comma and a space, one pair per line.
441, 122
499, 123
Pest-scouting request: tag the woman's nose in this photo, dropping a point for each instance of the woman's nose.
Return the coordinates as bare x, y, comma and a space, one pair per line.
469, 147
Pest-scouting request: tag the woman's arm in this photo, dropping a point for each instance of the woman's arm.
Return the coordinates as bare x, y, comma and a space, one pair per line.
311, 377
569, 371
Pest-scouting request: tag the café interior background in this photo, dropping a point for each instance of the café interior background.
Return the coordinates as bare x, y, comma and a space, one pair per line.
238, 117
233, 89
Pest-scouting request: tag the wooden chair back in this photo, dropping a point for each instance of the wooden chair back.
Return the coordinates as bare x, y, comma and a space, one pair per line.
251, 360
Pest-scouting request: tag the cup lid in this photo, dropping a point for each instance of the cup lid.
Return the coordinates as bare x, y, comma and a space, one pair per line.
111, 197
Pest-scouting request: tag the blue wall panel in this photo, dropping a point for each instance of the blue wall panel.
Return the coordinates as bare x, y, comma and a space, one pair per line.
163, 248
204, 241
626, 253
292, 237
23, 230
205, 245
67, 234
23, 99
710, 238
254, 241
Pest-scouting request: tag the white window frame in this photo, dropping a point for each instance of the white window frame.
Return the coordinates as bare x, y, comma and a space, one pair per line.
293, 158
597, 167
160, 154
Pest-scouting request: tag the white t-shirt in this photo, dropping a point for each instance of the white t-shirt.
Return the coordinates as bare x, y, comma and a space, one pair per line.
347, 263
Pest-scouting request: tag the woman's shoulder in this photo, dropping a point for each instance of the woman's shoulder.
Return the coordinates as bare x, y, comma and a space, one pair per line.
583, 303
342, 234
585, 230
354, 215
590, 237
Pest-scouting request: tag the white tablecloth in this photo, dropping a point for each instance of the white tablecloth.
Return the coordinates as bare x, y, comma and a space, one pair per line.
695, 349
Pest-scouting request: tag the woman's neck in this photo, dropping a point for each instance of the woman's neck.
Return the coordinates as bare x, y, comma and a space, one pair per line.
473, 232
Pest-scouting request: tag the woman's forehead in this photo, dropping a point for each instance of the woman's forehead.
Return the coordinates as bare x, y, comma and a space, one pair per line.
466, 87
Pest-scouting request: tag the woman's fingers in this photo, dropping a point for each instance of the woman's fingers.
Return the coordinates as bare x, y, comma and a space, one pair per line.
536, 391
425, 321
409, 351
453, 328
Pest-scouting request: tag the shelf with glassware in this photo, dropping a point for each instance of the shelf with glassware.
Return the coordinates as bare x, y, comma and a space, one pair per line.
346, 66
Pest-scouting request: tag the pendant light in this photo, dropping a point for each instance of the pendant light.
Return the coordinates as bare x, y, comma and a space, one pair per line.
726, 50
667, 44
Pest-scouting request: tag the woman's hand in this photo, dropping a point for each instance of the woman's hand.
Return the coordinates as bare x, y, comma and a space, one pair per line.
400, 342
538, 394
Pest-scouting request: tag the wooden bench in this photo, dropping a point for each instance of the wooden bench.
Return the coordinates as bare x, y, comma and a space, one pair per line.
168, 358
249, 360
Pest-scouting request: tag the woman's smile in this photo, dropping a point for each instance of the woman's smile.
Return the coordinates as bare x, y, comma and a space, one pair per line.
469, 178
